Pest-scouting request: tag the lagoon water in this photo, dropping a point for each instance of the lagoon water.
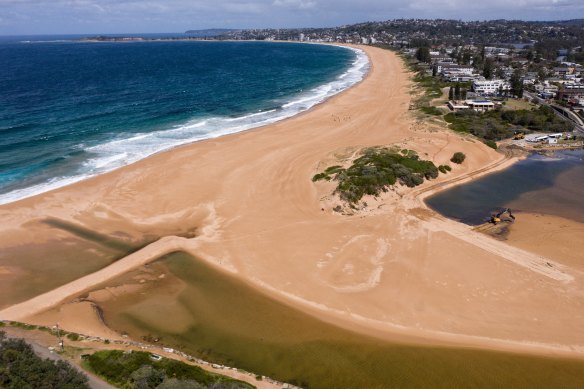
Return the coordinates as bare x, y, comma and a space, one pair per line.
545, 184
71, 110
213, 315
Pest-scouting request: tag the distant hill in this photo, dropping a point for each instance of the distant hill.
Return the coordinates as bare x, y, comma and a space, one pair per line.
209, 32
573, 22
567, 23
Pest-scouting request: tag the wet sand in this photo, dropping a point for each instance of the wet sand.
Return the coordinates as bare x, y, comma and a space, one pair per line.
395, 268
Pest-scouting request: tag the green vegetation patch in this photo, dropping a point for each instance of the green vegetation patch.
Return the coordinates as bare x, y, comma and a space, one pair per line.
431, 85
24, 326
458, 157
21, 368
138, 369
444, 168
73, 336
491, 143
377, 169
431, 111
500, 124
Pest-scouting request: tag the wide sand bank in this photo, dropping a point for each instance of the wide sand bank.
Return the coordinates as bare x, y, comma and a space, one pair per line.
395, 268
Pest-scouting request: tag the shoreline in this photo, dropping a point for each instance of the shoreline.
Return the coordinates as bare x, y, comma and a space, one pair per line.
362, 278
65, 181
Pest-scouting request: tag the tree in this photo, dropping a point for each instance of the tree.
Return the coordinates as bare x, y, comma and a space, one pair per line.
457, 91
466, 57
434, 70
541, 74
516, 84
488, 68
463, 94
423, 54
451, 93
458, 157
20, 367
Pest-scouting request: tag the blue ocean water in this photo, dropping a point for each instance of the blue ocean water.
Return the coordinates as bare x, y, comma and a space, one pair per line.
71, 110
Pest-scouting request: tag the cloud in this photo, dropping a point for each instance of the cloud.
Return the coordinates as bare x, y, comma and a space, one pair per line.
295, 4
111, 16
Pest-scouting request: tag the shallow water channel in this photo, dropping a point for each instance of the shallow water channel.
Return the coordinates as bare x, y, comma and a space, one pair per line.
547, 184
187, 304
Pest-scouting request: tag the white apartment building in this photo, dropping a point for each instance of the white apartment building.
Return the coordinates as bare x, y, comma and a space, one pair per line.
489, 87
442, 67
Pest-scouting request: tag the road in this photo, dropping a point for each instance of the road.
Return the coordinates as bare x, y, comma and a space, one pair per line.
562, 112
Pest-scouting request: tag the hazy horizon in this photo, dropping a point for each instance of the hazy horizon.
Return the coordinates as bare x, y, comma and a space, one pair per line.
62, 17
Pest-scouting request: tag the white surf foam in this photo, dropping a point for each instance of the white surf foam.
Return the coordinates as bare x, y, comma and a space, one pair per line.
124, 151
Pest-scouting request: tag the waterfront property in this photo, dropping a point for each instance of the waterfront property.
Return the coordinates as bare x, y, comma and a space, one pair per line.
476, 105
480, 105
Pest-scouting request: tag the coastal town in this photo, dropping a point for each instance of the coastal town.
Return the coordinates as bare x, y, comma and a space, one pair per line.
488, 61
480, 65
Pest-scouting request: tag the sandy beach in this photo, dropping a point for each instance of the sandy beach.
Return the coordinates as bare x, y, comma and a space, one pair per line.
395, 269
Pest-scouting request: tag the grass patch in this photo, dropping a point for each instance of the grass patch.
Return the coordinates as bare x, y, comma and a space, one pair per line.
431, 111
73, 336
376, 170
24, 326
491, 143
138, 370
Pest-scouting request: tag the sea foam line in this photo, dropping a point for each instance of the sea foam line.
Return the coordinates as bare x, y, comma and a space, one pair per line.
121, 152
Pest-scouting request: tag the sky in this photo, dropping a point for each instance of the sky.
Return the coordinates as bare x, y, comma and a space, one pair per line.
31, 17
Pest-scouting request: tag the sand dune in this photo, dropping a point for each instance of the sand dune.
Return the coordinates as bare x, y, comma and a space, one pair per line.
393, 268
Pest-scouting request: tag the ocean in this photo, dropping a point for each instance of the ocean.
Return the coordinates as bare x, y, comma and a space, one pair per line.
72, 110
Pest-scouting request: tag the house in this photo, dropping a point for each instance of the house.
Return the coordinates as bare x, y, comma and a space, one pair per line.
476, 105
441, 58
456, 106
553, 138
570, 91
462, 78
490, 51
562, 71
521, 61
480, 105
444, 67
